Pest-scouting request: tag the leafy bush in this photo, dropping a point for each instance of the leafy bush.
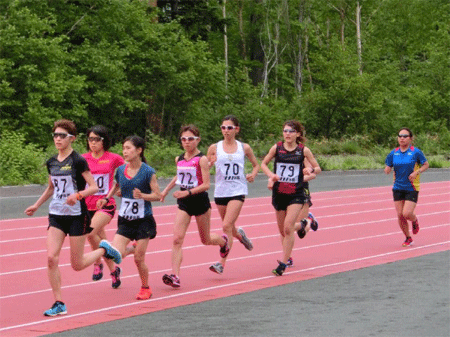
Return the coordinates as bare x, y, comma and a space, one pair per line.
20, 163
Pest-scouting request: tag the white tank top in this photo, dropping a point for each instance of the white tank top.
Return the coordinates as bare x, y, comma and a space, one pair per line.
230, 175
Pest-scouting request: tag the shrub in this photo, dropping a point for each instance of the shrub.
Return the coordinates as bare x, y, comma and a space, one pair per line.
20, 163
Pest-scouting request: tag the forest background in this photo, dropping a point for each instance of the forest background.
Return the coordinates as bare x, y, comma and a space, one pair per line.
353, 72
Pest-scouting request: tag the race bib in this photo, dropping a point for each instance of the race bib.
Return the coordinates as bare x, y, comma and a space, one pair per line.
187, 177
231, 171
102, 181
63, 187
132, 209
288, 173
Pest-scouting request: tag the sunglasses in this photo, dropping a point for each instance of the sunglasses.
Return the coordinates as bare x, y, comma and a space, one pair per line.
95, 139
228, 127
190, 139
403, 136
61, 135
289, 131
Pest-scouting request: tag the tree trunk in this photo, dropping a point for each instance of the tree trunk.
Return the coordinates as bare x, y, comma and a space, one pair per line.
225, 43
358, 36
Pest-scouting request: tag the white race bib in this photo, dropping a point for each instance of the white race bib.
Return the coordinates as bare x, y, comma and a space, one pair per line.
288, 173
63, 187
187, 177
102, 181
231, 171
132, 209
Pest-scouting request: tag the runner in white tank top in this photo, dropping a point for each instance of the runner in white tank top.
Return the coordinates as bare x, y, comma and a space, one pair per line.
231, 182
230, 176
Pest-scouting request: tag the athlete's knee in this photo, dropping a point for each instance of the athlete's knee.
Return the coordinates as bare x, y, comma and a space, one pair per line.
228, 227
76, 264
139, 258
206, 241
408, 215
178, 241
52, 261
288, 231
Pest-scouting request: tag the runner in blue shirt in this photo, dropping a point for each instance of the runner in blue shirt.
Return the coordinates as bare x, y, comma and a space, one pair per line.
138, 187
408, 163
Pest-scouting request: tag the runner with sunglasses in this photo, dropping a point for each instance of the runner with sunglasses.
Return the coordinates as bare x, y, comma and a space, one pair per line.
68, 215
408, 163
228, 156
192, 199
102, 164
288, 192
139, 187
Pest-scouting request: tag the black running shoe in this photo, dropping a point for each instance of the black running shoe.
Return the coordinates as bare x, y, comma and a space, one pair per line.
280, 269
302, 232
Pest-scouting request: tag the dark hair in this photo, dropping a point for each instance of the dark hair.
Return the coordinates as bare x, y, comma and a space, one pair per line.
409, 131
297, 126
101, 131
189, 127
138, 143
67, 125
231, 118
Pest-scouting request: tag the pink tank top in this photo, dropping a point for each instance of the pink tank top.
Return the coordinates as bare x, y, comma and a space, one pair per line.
103, 170
189, 173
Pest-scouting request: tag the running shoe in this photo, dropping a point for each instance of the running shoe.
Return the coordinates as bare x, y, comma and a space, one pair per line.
58, 308
115, 276
290, 263
110, 252
225, 250
144, 294
408, 242
171, 280
245, 240
217, 268
278, 271
302, 232
415, 226
314, 223
98, 272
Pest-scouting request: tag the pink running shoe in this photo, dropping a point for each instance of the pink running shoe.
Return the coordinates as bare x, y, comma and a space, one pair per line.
415, 226
408, 242
225, 250
98, 272
171, 280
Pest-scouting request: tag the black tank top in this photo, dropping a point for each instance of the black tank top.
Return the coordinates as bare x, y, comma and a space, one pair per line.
289, 166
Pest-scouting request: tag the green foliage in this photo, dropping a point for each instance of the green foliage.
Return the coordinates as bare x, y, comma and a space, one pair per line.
20, 163
138, 69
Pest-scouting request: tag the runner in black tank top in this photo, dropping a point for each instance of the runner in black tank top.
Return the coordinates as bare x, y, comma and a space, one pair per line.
287, 183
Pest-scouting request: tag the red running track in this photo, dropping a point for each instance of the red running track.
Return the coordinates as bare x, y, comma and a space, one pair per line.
357, 228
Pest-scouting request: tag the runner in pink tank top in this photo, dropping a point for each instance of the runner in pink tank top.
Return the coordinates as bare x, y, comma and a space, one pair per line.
102, 165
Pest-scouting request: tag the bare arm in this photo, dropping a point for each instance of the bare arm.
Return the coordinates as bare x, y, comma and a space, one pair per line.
170, 185
42, 199
266, 161
251, 157
212, 155
92, 189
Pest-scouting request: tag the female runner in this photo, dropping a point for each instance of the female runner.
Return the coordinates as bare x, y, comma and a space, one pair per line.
68, 175
408, 163
228, 156
288, 193
192, 199
102, 164
138, 186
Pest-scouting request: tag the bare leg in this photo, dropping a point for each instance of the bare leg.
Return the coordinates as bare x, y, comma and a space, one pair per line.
229, 215
98, 223
55, 240
180, 227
